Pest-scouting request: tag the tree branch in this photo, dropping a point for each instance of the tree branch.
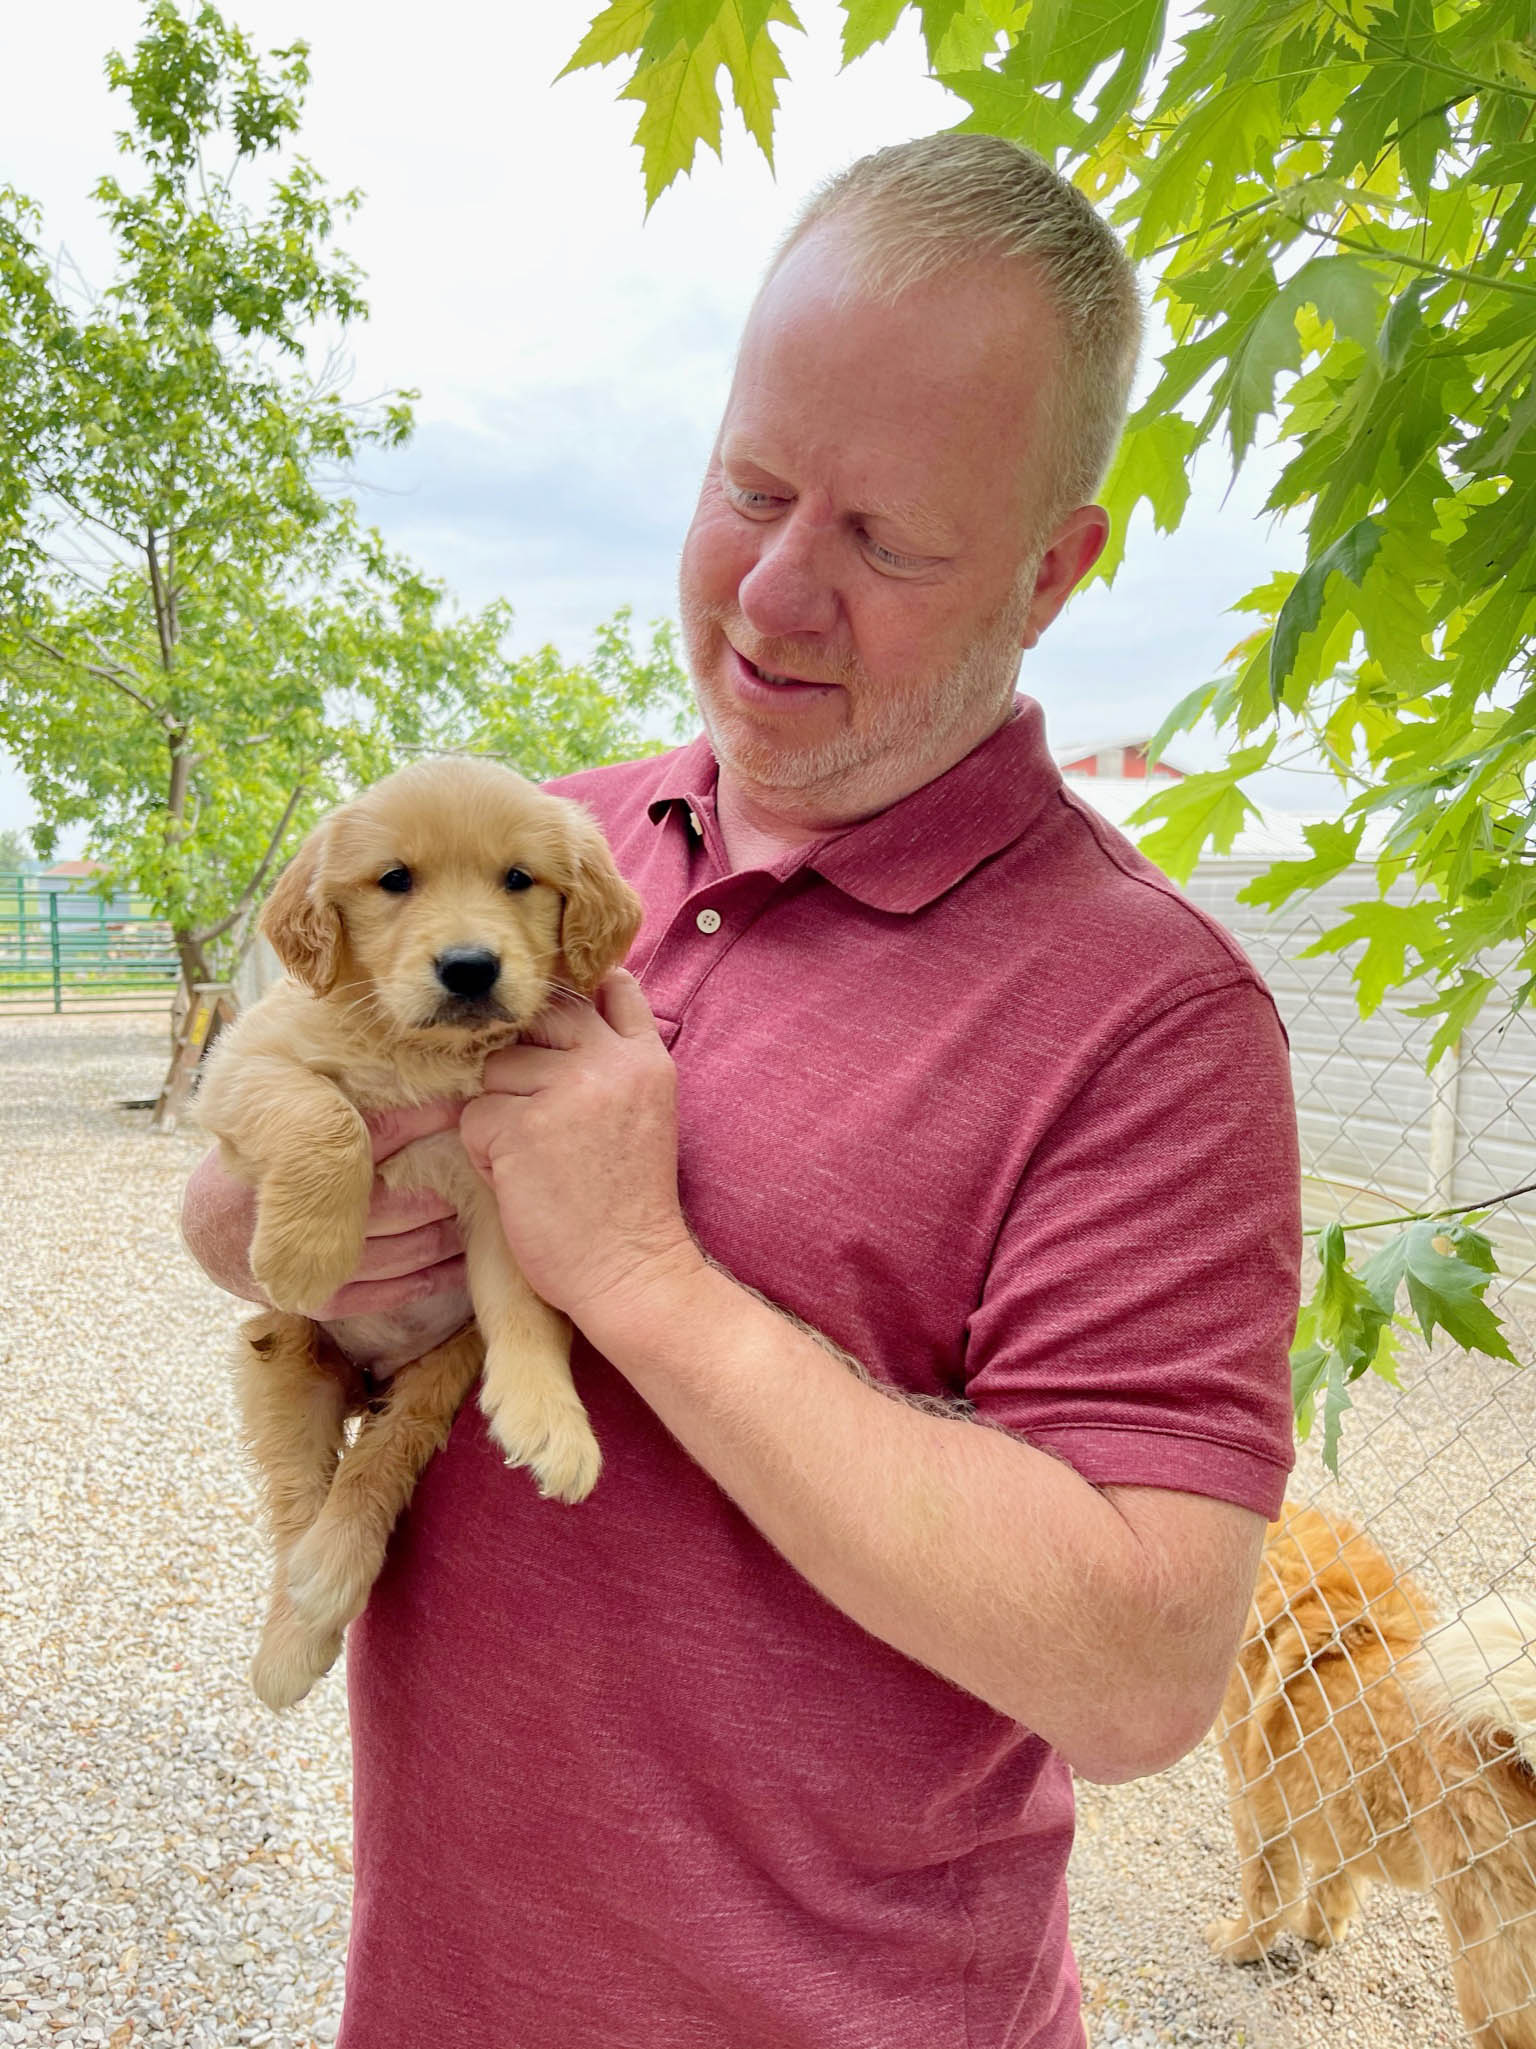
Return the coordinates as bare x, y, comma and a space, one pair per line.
248, 894
163, 624
112, 674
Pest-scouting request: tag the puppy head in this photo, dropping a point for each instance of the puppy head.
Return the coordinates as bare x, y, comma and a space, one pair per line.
457, 897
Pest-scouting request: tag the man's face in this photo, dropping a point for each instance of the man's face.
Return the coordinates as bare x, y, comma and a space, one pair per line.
858, 580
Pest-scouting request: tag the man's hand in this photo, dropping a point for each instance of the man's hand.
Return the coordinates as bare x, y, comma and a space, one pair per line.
577, 1135
412, 1252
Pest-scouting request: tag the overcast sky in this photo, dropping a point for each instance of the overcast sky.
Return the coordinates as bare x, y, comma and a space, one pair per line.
571, 355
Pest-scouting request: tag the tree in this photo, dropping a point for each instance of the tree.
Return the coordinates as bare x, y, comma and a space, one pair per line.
14, 852
201, 645
1335, 201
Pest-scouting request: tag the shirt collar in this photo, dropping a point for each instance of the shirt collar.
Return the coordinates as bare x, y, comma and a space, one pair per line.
911, 853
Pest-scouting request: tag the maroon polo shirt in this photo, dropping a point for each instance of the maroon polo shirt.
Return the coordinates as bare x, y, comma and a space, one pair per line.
974, 1090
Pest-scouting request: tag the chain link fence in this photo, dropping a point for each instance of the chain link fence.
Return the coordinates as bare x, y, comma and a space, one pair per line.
1379, 1736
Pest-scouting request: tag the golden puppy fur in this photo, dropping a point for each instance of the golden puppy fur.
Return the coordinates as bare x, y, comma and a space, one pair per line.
1363, 1744
394, 912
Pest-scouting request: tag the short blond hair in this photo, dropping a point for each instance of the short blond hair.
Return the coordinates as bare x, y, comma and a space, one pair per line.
944, 201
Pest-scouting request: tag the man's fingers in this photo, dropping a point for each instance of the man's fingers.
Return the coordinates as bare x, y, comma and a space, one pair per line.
409, 1252
622, 1003
562, 1024
378, 1297
404, 1209
392, 1130
522, 1070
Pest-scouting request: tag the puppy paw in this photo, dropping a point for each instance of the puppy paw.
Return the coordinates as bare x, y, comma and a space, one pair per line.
330, 1572
290, 1659
553, 1439
300, 1261
1234, 1942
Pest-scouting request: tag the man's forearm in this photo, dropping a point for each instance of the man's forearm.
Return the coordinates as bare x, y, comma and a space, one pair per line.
979, 1556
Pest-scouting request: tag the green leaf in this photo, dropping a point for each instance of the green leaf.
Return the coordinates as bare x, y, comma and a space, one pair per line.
1151, 465
1350, 556
1335, 845
1005, 104
1065, 42
1460, 1002
619, 31
1203, 810
867, 22
1446, 1269
1389, 932
681, 109
1186, 713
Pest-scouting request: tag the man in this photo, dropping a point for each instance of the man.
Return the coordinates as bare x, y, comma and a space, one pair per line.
769, 1744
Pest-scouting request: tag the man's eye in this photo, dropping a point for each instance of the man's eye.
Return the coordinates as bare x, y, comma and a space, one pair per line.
888, 556
396, 880
518, 878
752, 501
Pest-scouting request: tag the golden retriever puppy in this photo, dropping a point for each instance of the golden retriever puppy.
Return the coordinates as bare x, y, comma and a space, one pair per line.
1362, 1744
421, 926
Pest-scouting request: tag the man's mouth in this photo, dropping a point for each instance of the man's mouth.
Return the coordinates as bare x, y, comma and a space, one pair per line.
776, 679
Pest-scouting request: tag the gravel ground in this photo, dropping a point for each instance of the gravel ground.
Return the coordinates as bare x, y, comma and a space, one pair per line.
176, 1867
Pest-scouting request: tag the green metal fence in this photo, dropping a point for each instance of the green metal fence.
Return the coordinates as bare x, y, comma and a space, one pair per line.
66, 949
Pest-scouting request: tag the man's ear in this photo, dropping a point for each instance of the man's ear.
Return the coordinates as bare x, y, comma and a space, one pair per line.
602, 913
1069, 555
302, 923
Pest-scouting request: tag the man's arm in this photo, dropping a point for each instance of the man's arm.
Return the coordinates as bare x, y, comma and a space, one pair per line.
1104, 1620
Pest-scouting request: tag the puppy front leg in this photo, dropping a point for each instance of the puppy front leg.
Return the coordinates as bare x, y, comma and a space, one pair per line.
337, 1560
530, 1403
314, 1177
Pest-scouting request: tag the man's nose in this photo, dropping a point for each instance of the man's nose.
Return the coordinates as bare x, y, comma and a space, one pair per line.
467, 970
791, 588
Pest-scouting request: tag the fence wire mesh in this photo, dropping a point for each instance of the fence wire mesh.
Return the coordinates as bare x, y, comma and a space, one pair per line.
1379, 1734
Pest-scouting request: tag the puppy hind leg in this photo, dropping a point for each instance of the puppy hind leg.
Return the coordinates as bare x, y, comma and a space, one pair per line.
336, 1562
294, 1412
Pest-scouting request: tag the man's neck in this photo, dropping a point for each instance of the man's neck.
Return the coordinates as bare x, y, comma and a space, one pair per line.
758, 833
760, 826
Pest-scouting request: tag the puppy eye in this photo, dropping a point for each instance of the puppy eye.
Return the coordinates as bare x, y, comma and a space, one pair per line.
518, 878
397, 881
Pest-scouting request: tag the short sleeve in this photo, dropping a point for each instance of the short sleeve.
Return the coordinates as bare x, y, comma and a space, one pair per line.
1141, 1300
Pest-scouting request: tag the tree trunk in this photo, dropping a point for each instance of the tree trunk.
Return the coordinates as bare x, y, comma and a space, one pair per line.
199, 1015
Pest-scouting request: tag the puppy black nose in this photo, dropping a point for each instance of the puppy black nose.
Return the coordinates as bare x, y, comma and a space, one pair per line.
467, 970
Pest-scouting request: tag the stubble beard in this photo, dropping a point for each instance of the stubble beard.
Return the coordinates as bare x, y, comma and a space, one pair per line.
900, 730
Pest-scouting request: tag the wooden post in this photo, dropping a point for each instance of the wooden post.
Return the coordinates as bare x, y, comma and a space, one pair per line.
1445, 1077
212, 1007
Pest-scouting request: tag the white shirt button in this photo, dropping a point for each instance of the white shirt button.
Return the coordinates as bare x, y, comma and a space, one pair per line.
694, 826
708, 921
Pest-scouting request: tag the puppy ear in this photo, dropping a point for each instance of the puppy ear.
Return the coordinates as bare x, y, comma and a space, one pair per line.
602, 913
302, 924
